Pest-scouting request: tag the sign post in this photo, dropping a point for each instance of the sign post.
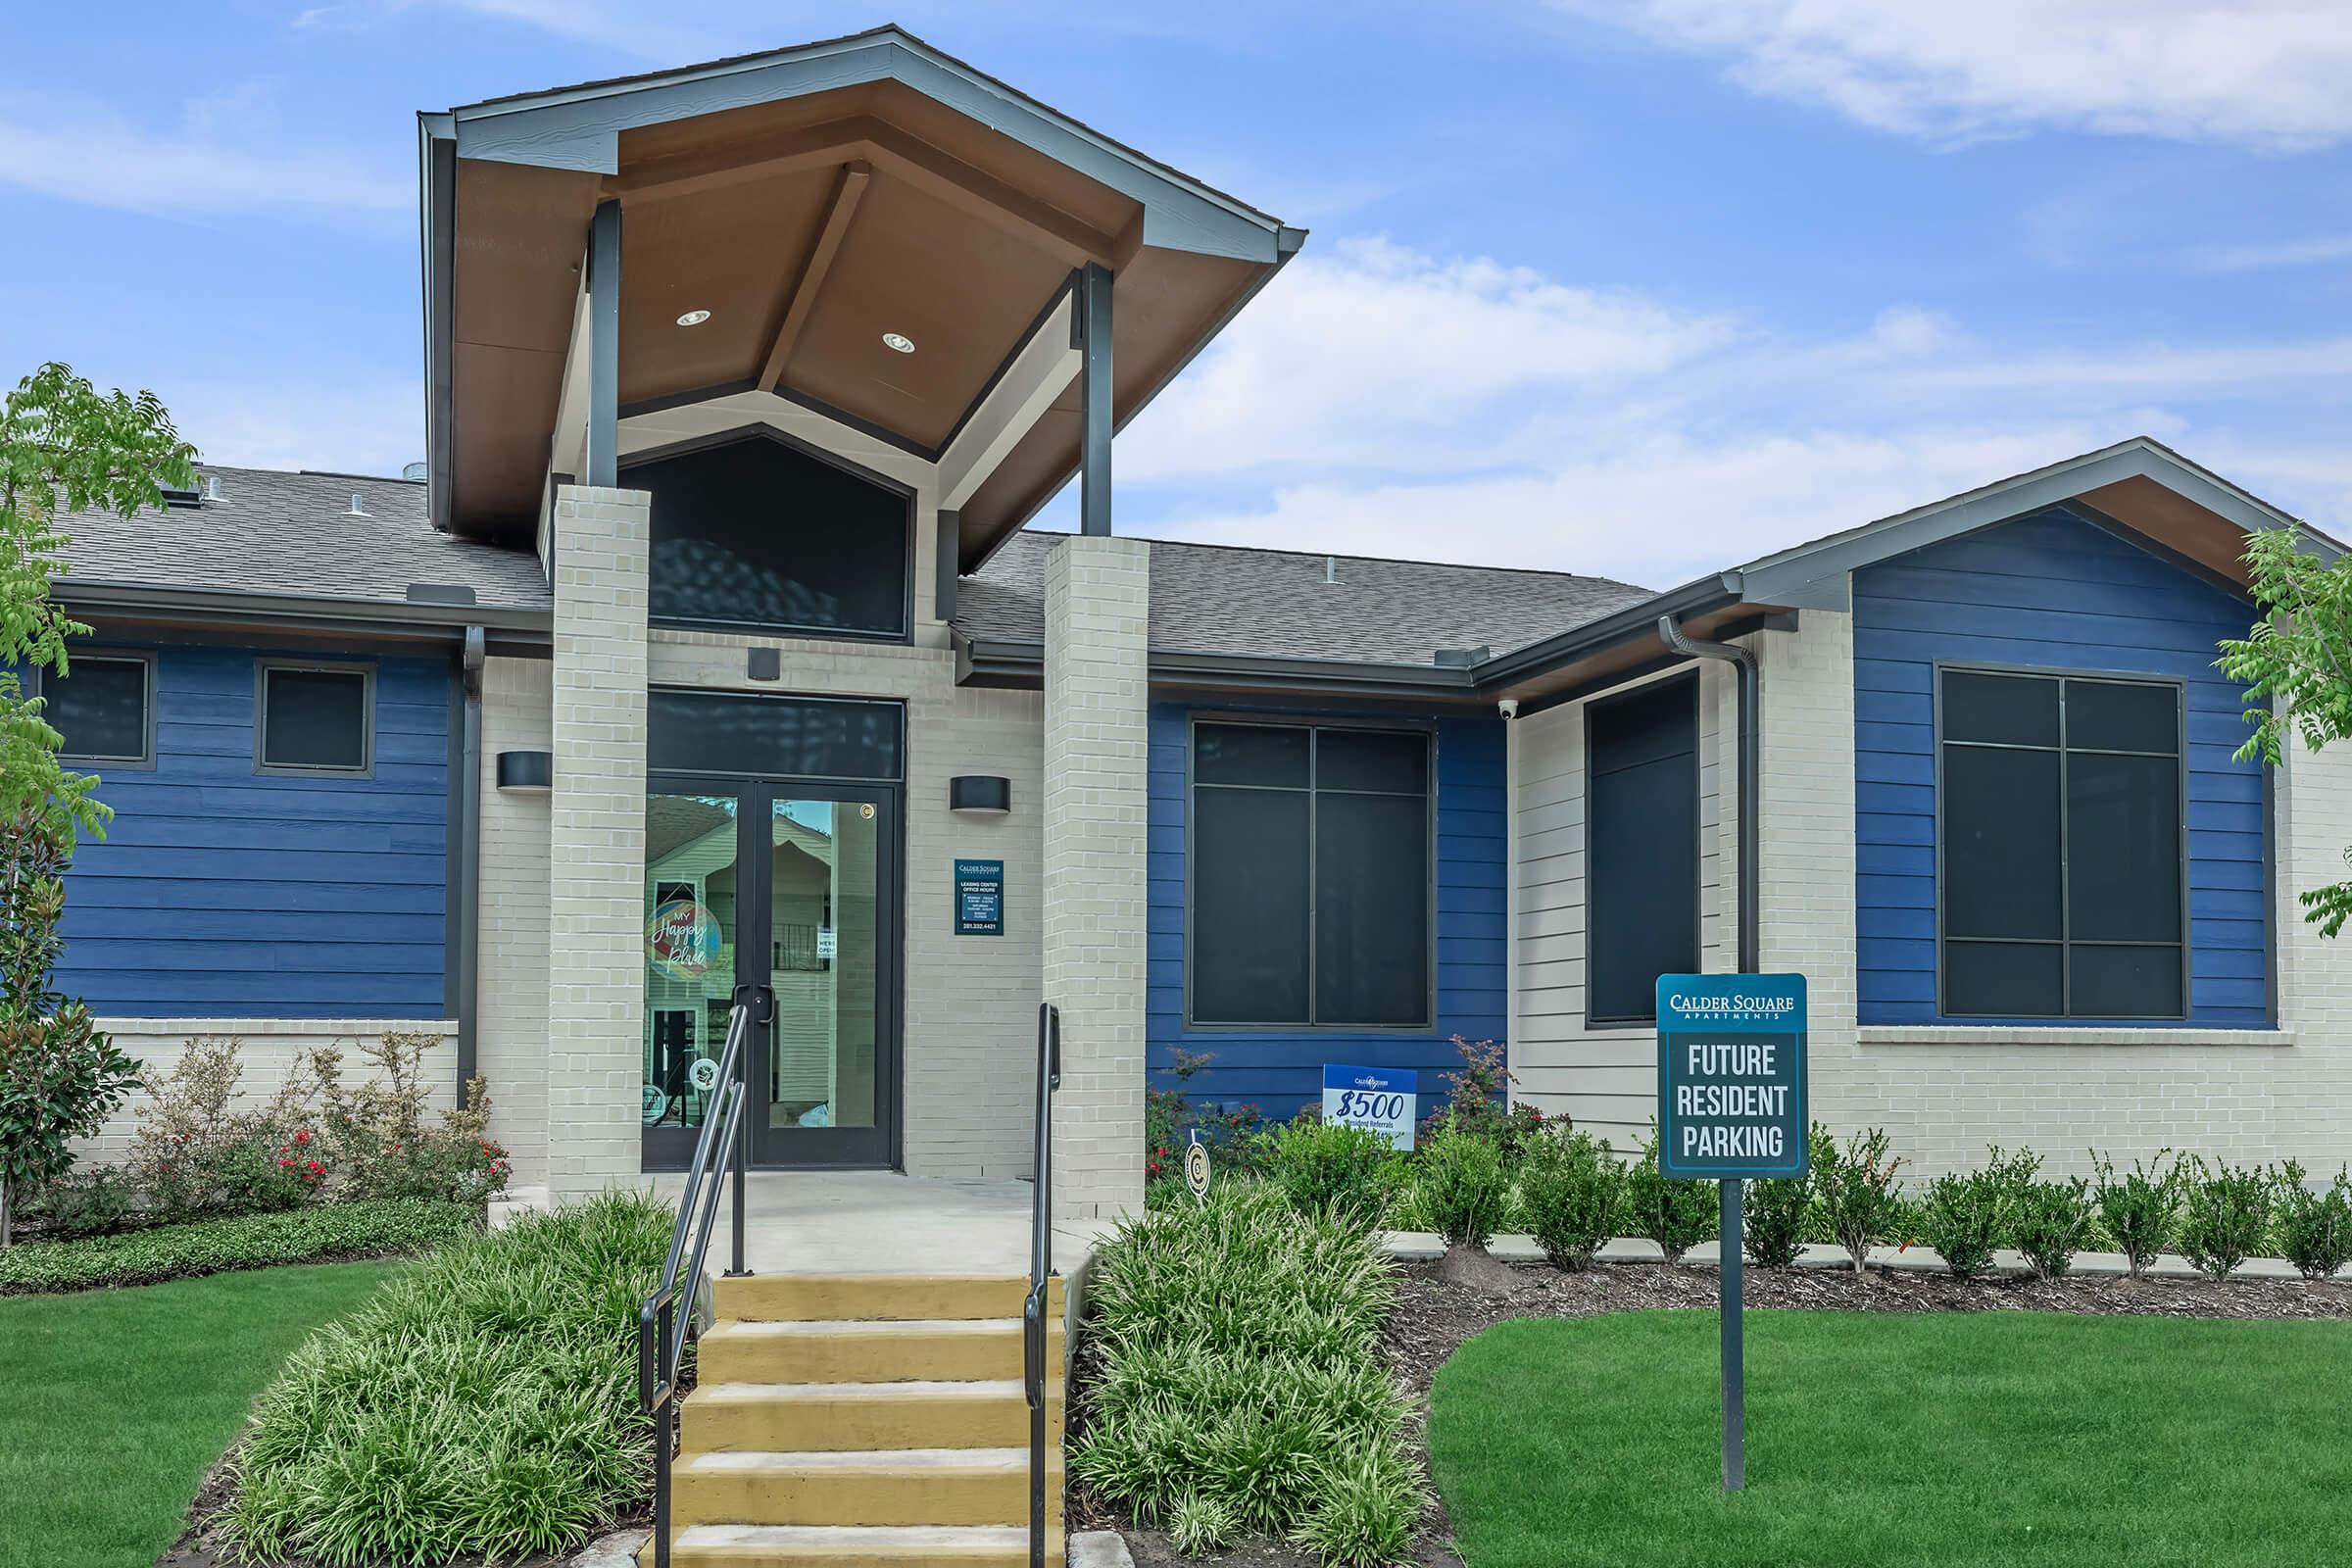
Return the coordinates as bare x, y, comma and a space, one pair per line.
1732, 1109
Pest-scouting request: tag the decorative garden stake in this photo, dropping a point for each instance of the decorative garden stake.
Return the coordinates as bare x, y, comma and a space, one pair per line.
1196, 1167
1731, 1106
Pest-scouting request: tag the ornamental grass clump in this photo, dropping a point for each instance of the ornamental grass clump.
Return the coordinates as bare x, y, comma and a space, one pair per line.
1239, 1385
482, 1404
1574, 1192
2315, 1229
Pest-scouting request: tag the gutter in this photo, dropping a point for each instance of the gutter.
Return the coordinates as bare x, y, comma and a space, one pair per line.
467, 801
1708, 593
523, 631
1021, 661
1750, 774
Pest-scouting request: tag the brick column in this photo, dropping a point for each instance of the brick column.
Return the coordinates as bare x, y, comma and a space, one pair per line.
1098, 592
596, 841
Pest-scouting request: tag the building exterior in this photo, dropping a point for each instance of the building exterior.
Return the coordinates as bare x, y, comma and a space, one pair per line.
709, 650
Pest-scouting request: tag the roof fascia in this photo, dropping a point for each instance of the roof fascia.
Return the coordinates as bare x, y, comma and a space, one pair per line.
1013, 660
304, 611
1816, 576
580, 128
1633, 620
437, 200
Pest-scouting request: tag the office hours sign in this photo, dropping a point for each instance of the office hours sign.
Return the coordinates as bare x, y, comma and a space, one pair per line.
1732, 1075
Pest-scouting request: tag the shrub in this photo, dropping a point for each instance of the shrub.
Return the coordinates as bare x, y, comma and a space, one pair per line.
2315, 1229
2142, 1209
484, 1403
1463, 1184
1240, 1385
250, 1241
99, 1201
2053, 1220
1772, 1218
1676, 1214
1965, 1216
1855, 1186
1574, 1191
378, 1135
1329, 1168
2225, 1214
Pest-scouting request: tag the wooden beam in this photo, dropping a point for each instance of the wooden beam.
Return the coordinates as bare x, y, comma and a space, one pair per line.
847, 191
863, 138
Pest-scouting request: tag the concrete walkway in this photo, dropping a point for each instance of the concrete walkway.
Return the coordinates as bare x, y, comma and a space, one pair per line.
1423, 1245
880, 1222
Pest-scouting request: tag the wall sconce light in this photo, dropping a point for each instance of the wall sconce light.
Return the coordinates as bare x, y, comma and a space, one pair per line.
531, 772
979, 791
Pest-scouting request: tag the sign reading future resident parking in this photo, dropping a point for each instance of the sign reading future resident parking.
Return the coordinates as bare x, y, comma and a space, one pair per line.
979, 898
1380, 1100
1732, 1075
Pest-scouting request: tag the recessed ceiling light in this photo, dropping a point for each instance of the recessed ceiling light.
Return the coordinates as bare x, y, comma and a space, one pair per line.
899, 342
694, 318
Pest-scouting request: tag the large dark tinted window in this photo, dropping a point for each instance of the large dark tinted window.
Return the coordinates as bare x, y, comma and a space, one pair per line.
778, 737
316, 720
101, 709
760, 533
1640, 848
2060, 818
1310, 876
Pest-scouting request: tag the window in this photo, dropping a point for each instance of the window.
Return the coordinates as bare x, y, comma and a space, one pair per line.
756, 531
105, 709
2059, 814
1310, 876
1640, 848
316, 718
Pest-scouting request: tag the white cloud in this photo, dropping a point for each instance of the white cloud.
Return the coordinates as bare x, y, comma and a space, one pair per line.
2262, 72
2321, 251
80, 149
309, 415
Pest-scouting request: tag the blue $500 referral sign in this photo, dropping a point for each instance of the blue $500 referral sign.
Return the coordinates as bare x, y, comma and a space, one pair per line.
1380, 1100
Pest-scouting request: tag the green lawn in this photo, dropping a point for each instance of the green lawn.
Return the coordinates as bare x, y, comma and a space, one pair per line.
118, 1402
1891, 1440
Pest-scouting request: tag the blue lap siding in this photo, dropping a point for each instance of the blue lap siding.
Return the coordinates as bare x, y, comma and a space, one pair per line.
1281, 1070
2047, 591
221, 892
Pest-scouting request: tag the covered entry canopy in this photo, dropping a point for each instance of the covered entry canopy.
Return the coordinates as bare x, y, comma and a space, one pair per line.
820, 203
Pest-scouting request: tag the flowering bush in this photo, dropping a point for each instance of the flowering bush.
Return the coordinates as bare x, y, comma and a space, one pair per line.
1232, 1133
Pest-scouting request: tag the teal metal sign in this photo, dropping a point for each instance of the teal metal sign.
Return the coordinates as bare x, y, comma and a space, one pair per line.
979, 898
1732, 1075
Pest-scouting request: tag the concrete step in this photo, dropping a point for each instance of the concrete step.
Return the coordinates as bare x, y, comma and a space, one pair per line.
867, 1351
846, 1417
857, 1546
952, 1487
889, 1298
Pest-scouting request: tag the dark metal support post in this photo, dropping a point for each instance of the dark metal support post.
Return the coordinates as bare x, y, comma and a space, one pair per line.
466, 797
603, 345
1040, 1267
1735, 1376
1093, 321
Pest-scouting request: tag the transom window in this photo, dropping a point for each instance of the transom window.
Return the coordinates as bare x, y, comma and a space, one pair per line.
2060, 819
1309, 857
104, 707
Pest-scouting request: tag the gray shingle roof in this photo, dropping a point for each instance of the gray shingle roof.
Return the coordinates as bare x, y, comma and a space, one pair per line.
1226, 598
292, 534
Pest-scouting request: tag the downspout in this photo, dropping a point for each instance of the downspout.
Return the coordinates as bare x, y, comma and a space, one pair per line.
1752, 771
469, 858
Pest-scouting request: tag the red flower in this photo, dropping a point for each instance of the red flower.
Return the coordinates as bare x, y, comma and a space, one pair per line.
317, 1168
285, 1162
303, 1136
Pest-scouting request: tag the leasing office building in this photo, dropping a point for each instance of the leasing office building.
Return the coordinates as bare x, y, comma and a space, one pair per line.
709, 650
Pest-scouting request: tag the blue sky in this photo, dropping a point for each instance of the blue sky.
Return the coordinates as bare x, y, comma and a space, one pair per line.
1641, 287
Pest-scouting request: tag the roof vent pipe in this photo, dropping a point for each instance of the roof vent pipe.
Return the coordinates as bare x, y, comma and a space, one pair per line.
1750, 773
356, 510
1331, 569
211, 487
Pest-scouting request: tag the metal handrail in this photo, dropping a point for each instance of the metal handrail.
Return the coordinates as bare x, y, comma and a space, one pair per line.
1041, 1265
718, 1153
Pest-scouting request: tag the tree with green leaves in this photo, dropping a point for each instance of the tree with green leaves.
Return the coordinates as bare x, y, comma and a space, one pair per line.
2296, 666
63, 443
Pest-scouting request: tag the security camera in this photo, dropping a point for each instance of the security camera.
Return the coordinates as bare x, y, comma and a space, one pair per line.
1510, 709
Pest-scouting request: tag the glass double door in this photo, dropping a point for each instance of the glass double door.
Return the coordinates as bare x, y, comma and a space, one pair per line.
792, 886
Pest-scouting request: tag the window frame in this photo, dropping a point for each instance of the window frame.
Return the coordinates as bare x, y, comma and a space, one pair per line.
1425, 731
2065, 941
740, 435
363, 668
1595, 1023
145, 762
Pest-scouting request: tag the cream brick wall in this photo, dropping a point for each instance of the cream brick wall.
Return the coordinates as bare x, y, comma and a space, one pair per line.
512, 913
596, 840
1096, 695
268, 1047
969, 1003
1605, 1079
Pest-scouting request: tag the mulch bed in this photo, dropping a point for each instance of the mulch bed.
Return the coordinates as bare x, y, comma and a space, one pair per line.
1441, 1304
